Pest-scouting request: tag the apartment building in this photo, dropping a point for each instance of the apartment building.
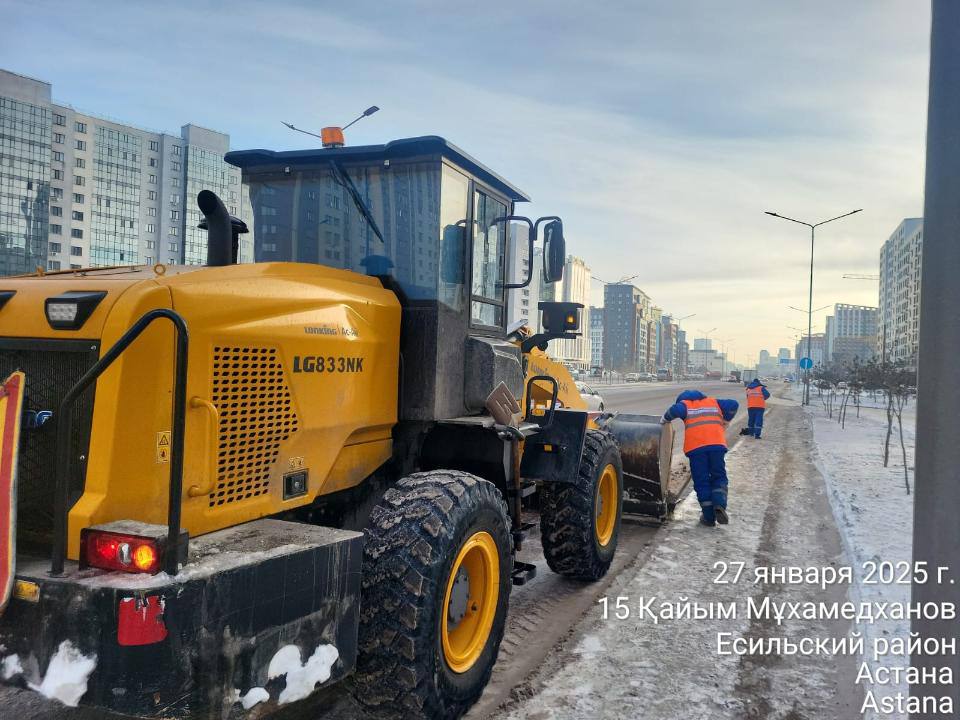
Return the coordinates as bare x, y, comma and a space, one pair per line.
81, 190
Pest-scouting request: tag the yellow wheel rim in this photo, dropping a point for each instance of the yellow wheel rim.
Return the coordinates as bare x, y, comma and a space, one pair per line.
470, 602
606, 504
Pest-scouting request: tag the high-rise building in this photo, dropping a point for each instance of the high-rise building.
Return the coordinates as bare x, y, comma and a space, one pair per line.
522, 302
683, 353
899, 312
104, 193
702, 344
25, 130
655, 339
625, 310
596, 337
856, 325
818, 347
574, 287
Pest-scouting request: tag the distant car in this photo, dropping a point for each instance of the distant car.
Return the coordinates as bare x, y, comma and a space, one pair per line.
632, 377
590, 396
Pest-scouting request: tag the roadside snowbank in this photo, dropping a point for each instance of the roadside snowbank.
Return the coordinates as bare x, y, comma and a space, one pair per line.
872, 510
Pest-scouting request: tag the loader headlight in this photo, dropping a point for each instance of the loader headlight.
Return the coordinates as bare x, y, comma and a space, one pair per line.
70, 310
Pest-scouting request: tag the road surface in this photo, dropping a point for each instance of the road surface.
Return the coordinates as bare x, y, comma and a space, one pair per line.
542, 613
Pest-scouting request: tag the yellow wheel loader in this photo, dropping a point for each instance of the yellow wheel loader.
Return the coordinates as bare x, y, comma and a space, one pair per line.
230, 485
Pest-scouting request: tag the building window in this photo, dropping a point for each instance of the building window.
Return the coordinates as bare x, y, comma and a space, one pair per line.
57, 174
54, 247
76, 233
56, 211
59, 119
174, 214
78, 198
57, 193
151, 211
176, 149
175, 166
152, 179
58, 138
53, 264
79, 180
57, 156
152, 162
76, 251
56, 229
80, 127
175, 182
151, 194
77, 215
155, 145
172, 231
81, 145
79, 162
174, 199
150, 228
172, 247
171, 261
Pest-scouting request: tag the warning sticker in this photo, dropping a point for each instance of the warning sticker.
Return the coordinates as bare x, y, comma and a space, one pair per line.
163, 446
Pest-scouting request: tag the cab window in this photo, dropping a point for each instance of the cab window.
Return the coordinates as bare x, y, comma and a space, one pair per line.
489, 233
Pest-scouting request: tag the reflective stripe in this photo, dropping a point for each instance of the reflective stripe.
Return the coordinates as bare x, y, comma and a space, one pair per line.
706, 503
702, 411
698, 423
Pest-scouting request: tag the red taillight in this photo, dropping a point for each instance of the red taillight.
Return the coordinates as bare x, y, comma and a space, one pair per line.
119, 551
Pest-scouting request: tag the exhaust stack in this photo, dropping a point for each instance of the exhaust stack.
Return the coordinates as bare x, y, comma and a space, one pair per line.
223, 230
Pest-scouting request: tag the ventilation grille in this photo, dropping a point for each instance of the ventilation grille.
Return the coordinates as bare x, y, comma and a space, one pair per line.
256, 415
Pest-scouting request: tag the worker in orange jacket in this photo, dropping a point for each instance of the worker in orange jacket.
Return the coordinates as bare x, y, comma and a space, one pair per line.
757, 395
705, 444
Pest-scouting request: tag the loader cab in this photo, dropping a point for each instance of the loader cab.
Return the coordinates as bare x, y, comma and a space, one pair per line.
425, 218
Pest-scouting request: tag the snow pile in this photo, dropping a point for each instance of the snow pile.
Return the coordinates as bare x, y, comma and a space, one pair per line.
11, 666
302, 678
254, 696
872, 510
67, 674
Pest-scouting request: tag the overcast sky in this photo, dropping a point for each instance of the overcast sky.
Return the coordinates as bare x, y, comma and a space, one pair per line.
660, 131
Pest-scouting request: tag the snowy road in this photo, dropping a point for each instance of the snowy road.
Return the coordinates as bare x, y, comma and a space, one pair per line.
611, 668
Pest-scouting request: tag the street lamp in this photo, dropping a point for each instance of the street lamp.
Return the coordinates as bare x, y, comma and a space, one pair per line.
813, 227
791, 307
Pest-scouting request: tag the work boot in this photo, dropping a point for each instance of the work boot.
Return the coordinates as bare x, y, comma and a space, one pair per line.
708, 523
722, 516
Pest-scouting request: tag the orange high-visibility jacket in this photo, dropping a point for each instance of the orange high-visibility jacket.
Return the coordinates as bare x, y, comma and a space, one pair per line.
703, 425
755, 397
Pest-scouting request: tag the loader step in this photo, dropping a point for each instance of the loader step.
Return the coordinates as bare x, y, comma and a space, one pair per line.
525, 490
523, 572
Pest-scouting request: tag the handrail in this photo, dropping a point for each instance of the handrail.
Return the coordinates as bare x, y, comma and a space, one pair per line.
528, 410
65, 430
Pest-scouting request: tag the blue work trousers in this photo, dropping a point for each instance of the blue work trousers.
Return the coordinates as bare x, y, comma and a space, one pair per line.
709, 471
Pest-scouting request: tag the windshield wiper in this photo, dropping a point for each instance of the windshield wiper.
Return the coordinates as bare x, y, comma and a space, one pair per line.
344, 180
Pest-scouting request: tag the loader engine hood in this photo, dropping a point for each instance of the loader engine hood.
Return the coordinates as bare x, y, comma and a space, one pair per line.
282, 359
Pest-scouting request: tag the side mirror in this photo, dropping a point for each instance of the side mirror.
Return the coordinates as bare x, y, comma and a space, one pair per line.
554, 251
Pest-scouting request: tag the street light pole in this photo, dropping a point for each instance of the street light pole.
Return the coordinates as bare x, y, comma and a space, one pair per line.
813, 227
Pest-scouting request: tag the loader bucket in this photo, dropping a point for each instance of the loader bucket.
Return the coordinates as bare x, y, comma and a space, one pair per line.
646, 449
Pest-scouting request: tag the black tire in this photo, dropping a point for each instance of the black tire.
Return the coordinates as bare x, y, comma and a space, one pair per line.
568, 514
413, 539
